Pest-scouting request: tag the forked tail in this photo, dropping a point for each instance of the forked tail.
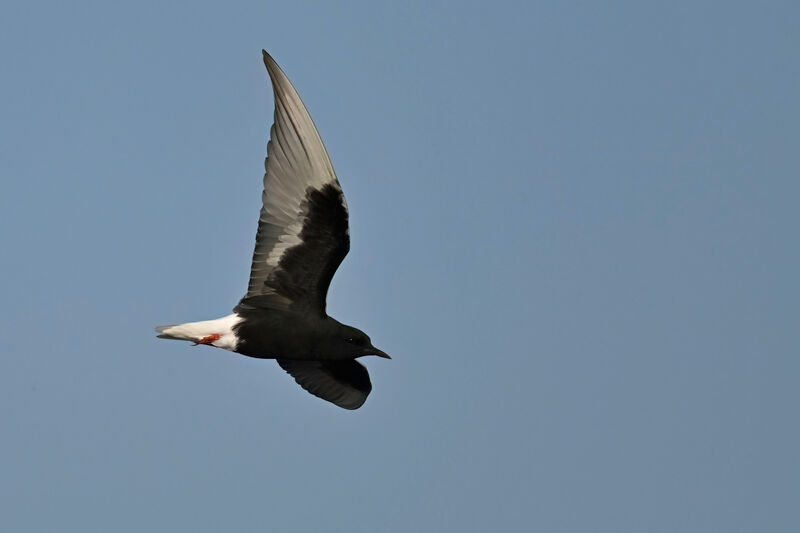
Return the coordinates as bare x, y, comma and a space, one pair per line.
173, 332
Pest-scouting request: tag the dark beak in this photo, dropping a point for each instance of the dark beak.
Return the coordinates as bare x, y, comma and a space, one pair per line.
380, 353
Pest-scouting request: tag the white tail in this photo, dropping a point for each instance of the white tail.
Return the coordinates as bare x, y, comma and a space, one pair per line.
200, 332
175, 332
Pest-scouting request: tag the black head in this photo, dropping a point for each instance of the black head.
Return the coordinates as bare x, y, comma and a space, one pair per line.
357, 343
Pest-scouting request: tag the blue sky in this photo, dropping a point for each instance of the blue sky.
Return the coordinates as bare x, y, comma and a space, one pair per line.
574, 228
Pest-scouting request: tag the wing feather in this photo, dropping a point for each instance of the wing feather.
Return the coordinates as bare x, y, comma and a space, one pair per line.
344, 383
303, 232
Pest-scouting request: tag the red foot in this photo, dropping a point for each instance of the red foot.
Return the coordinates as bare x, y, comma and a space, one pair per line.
209, 339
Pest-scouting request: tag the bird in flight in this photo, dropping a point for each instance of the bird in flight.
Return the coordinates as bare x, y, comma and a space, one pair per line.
302, 237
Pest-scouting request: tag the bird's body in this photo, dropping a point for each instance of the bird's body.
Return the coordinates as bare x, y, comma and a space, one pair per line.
302, 237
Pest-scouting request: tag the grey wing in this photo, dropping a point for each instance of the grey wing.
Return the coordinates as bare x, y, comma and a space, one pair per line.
303, 232
345, 383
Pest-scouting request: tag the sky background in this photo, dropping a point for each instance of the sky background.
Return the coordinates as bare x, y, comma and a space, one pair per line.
574, 227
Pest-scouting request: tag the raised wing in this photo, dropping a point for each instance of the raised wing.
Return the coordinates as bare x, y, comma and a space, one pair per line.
303, 232
345, 383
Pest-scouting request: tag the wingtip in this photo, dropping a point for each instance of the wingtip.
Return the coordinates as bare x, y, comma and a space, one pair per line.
274, 71
268, 59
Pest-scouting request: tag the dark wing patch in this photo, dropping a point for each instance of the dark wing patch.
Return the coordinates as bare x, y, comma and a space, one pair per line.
305, 271
345, 383
303, 228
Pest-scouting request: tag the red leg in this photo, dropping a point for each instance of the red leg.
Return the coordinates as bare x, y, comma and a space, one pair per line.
209, 339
